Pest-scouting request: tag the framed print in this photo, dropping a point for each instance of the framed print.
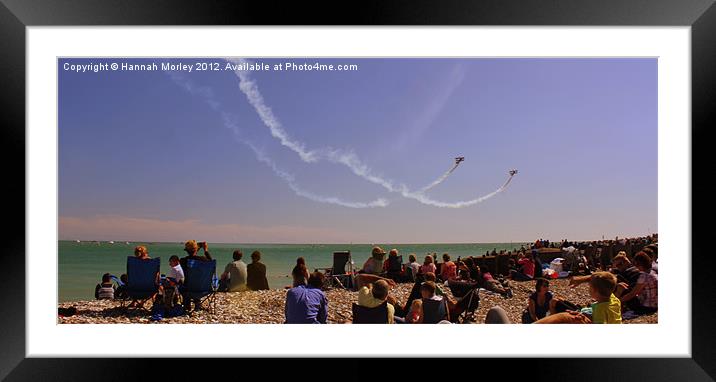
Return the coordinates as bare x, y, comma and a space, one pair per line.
466, 164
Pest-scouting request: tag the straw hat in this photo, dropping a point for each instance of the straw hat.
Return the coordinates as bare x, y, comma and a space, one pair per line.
377, 251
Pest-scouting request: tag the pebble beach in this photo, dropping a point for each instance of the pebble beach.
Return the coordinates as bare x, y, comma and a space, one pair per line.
267, 307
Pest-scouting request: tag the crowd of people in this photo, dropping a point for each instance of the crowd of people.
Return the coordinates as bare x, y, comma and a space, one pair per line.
626, 287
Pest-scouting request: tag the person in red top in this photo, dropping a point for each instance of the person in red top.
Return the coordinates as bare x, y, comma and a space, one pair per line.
449, 270
527, 269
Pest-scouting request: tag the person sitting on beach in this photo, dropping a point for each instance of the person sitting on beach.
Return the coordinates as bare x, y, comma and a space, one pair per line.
300, 272
489, 283
651, 251
439, 312
175, 272
121, 292
375, 294
428, 266
540, 302
392, 266
256, 273
412, 268
526, 271
105, 290
627, 275
608, 308
234, 276
191, 247
307, 304
141, 252
374, 265
415, 294
645, 293
448, 271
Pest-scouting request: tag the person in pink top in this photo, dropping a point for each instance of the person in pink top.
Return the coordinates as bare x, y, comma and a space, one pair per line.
448, 271
526, 271
428, 266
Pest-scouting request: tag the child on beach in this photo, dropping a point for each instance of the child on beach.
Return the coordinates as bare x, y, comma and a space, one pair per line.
608, 308
105, 290
175, 272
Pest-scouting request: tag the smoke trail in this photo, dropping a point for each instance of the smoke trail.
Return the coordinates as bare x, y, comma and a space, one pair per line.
440, 179
467, 203
349, 159
290, 180
230, 122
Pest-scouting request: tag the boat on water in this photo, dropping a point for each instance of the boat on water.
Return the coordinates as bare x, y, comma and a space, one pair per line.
111, 242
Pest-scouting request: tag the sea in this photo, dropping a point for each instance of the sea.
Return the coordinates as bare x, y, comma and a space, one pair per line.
82, 264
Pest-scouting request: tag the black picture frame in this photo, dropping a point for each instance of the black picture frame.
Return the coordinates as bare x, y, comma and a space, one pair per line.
16, 15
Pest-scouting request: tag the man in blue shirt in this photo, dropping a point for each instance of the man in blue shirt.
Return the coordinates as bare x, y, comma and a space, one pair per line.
307, 304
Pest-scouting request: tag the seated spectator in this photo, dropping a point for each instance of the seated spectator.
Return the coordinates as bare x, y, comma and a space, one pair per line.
175, 271
412, 268
121, 292
448, 270
374, 265
307, 304
489, 283
540, 302
608, 308
105, 290
235, 274
393, 267
434, 307
374, 295
141, 252
300, 272
428, 266
191, 247
645, 293
526, 271
256, 273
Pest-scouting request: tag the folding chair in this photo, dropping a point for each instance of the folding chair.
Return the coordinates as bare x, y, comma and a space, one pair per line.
377, 315
434, 311
141, 281
201, 283
337, 275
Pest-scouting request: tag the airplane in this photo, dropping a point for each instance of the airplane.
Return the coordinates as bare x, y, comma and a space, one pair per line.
459, 159
513, 172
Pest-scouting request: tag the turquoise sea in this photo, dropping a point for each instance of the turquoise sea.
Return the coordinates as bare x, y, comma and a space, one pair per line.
81, 265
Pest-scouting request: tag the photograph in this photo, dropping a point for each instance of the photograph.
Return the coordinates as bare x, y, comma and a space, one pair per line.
357, 190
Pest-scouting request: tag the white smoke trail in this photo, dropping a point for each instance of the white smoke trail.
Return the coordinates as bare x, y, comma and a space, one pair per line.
230, 123
440, 179
349, 159
467, 203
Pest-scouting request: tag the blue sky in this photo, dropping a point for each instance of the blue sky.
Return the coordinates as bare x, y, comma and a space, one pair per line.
149, 156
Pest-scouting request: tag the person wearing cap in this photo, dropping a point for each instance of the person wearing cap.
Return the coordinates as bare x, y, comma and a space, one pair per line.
374, 265
191, 247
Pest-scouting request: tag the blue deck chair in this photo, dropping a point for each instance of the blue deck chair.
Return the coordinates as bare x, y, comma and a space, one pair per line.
141, 280
201, 283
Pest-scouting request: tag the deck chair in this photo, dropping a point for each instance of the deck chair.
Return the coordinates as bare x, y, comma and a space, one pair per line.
434, 311
201, 283
395, 268
377, 315
141, 281
338, 275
